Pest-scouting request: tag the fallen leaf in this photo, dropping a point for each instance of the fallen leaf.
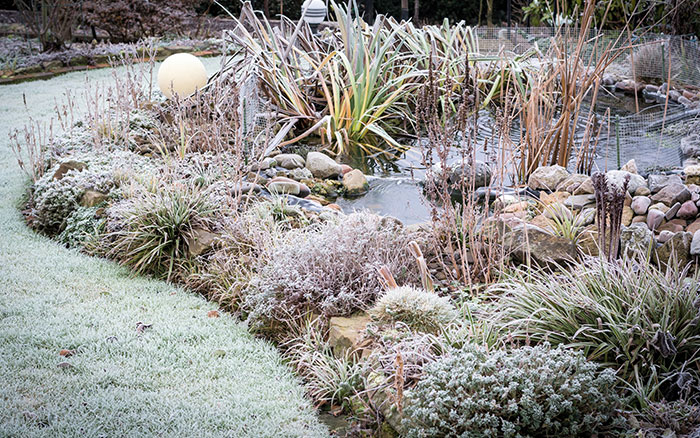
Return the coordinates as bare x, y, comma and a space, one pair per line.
213, 314
141, 327
64, 365
219, 353
66, 353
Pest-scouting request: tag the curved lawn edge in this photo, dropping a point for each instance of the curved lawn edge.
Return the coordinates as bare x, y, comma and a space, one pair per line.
187, 375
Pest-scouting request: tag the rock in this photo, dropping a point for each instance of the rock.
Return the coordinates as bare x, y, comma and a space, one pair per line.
481, 173
289, 161
650, 88
685, 101
616, 178
671, 213
688, 210
344, 168
504, 200
266, 163
674, 226
627, 215
640, 204
92, 198
672, 193
642, 219
665, 236
660, 206
642, 191
675, 251
630, 166
586, 217
300, 174
695, 226
692, 174
516, 207
674, 95
572, 183
200, 241
658, 182
585, 188
578, 202
654, 218
695, 244
281, 185
541, 221
69, 165
345, 332
554, 197
588, 242
636, 239
527, 242
355, 183
547, 177
557, 210
322, 166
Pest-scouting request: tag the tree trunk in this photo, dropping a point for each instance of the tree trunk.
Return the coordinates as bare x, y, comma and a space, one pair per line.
369, 11
489, 12
404, 9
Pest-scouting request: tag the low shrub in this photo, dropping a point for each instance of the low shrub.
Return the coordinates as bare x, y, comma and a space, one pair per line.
149, 231
631, 316
82, 228
416, 308
130, 20
527, 392
329, 269
55, 199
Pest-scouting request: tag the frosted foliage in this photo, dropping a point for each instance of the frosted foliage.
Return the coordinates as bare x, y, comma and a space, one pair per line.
418, 309
528, 392
330, 269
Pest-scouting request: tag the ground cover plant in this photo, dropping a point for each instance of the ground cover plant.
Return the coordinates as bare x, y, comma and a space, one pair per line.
489, 319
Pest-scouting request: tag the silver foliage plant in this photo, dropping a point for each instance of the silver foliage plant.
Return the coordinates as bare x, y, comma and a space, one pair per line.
526, 392
330, 269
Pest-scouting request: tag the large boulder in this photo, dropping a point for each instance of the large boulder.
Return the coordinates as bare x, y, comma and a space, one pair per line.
695, 244
675, 250
67, 166
547, 177
640, 205
527, 242
285, 186
92, 198
481, 173
572, 183
290, 161
690, 146
616, 178
637, 239
672, 193
199, 241
355, 183
322, 166
344, 333
658, 182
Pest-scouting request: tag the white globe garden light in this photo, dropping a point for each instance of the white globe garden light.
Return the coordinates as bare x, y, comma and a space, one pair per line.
181, 74
314, 12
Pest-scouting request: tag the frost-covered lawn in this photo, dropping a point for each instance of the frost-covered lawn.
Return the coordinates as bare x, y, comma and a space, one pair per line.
187, 375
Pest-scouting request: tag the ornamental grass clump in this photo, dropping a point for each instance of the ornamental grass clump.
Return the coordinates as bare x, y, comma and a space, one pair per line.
526, 392
640, 320
149, 231
416, 308
329, 269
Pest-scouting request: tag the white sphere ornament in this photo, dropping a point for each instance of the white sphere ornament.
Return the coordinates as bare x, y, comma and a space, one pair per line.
181, 74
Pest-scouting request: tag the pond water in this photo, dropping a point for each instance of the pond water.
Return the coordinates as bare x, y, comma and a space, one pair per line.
395, 186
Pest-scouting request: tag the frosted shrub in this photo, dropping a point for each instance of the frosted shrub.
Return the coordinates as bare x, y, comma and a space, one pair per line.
330, 269
528, 392
55, 199
81, 226
420, 310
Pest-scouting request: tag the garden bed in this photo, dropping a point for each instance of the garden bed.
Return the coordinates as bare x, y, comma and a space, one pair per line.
532, 301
